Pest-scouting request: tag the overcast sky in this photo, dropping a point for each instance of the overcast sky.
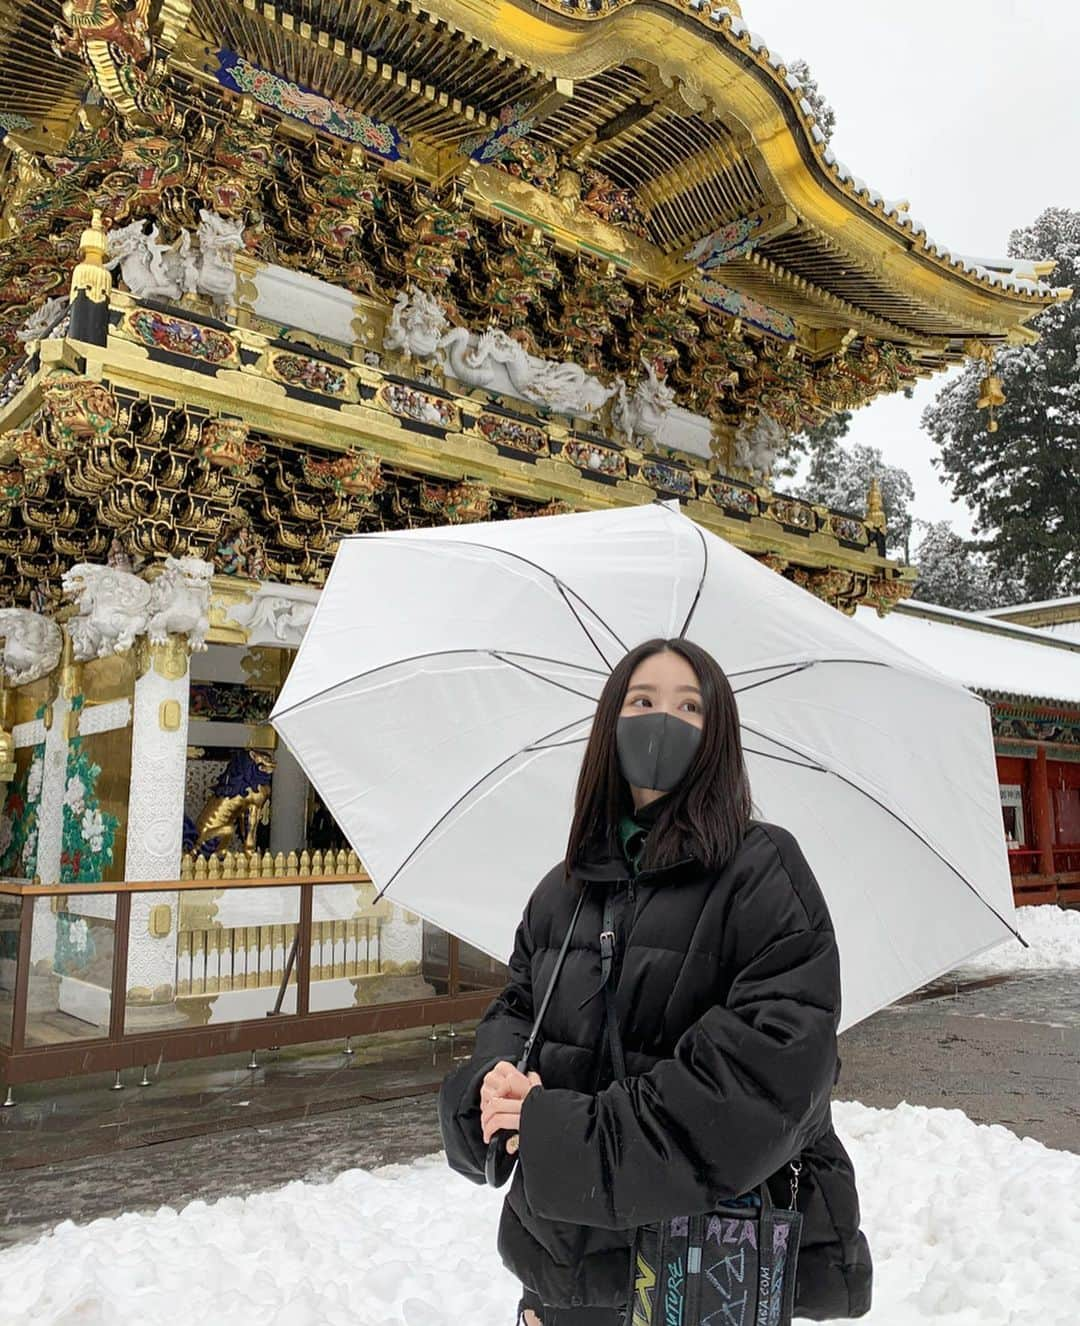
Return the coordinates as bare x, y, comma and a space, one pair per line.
966, 108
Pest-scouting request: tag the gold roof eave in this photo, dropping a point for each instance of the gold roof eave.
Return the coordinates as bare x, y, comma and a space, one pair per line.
717, 71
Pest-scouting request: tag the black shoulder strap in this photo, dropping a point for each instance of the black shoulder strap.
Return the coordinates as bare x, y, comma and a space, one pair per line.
522, 1064
607, 953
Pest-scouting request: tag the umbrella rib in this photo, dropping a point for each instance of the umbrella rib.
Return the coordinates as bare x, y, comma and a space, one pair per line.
540, 676
739, 690
910, 828
563, 589
565, 727
701, 582
439, 653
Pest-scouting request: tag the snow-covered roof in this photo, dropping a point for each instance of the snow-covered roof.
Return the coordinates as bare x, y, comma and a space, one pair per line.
982, 652
1014, 275
1070, 601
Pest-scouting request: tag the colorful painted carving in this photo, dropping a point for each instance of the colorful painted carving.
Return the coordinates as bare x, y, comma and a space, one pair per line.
89, 831
457, 504
732, 241
847, 527
224, 444
509, 147
520, 276
669, 478
788, 511
595, 298
408, 403
312, 374
178, 336
333, 117
734, 497
589, 456
77, 409
505, 432
240, 551
356, 474
603, 198
438, 235
99, 21
753, 311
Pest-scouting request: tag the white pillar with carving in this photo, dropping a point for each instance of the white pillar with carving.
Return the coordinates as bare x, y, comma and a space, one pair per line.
155, 824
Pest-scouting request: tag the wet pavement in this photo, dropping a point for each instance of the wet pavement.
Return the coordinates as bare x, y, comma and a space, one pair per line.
1004, 1052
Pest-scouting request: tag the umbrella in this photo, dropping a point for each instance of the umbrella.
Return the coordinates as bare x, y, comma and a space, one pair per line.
444, 690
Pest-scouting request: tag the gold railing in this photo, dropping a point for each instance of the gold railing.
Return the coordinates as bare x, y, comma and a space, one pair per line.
213, 959
253, 865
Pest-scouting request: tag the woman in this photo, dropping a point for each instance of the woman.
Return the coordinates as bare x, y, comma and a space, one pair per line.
726, 985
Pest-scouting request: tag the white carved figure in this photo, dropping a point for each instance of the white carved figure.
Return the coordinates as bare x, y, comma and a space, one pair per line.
150, 270
417, 323
493, 361
496, 362
642, 412
42, 321
757, 445
32, 645
113, 608
220, 240
182, 262
180, 602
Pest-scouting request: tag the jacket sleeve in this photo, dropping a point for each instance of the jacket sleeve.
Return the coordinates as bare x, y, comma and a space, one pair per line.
500, 1034
739, 1097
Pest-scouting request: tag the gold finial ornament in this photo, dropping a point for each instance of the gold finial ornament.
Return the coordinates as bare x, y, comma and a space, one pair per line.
875, 508
91, 276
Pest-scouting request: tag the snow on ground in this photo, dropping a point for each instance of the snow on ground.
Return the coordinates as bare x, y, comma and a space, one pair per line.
1053, 934
968, 1226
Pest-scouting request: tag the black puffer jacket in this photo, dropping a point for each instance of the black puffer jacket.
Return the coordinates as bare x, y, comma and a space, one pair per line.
728, 998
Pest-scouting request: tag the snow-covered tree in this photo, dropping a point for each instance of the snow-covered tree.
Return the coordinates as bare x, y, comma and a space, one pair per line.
813, 441
840, 478
1023, 480
955, 574
823, 112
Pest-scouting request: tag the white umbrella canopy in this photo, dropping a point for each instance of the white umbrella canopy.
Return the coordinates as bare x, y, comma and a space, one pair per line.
444, 690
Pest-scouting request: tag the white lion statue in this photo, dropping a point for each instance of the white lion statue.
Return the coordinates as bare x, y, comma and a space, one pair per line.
113, 608
42, 321
642, 412
180, 603
32, 645
417, 323
220, 240
149, 269
757, 445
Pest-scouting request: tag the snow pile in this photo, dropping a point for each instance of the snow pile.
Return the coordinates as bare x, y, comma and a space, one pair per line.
968, 1226
1053, 934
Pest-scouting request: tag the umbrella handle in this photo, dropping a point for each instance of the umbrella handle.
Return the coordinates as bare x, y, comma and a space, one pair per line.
501, 1157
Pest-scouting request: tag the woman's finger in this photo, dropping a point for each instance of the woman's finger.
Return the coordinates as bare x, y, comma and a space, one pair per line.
498, 1122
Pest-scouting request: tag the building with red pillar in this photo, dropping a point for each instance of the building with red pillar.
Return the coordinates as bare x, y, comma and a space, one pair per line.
1025, 662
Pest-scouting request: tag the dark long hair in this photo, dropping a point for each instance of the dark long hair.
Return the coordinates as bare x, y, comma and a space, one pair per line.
706, 815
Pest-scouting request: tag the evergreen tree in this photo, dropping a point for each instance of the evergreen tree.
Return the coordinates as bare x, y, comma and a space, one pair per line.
817, 442
840, 478
953, 573
823, 112
1023, 481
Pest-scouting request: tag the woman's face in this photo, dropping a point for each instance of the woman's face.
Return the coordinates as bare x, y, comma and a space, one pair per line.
664, 683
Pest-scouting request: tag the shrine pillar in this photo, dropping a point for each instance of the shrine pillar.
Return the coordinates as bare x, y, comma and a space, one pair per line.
155, 819
288, 803
1041, 812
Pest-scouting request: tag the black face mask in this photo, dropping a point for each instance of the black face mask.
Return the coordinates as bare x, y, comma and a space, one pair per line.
655, 750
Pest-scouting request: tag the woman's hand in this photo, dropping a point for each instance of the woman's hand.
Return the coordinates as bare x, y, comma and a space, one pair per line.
501, 1095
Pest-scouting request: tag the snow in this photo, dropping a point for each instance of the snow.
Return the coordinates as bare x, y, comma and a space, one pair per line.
968, 1226
981, 651
1054, 936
